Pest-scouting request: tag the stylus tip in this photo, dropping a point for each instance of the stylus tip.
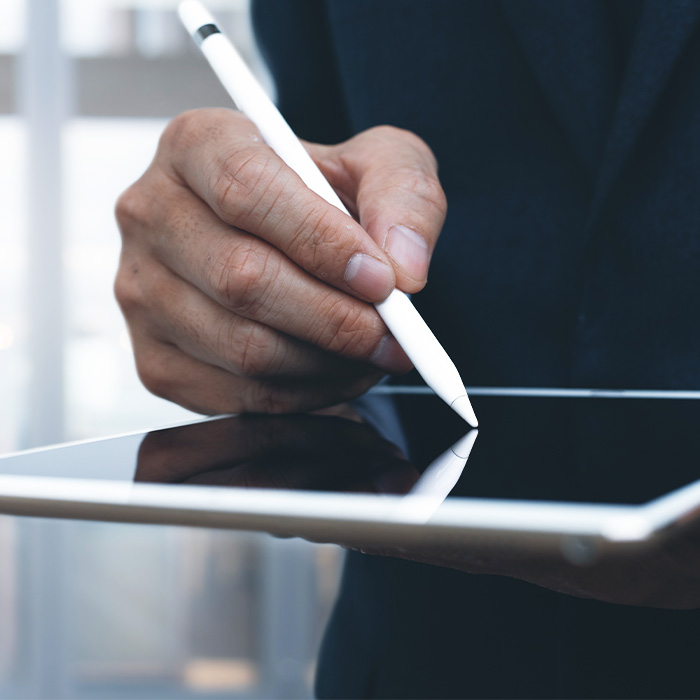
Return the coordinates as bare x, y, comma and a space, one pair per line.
463, 447
463, 407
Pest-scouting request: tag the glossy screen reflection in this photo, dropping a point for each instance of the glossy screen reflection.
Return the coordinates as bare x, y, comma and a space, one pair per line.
564, 449
300, 452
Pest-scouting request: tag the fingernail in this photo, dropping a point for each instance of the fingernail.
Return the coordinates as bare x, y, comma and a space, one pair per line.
409, 250
369, 277
390, 357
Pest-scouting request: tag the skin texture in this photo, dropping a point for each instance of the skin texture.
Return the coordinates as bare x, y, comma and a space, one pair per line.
244, 291
235, 281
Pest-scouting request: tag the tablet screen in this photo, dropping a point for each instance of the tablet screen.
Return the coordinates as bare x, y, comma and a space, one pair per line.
616, 450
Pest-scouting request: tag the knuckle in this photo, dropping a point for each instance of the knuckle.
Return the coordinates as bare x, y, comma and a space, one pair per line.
413, 185
153, 374
242, 182
184, 129
426, 187
404, 139
313, 239
195, 126
345, 330
242, 279
261, 357
131, 209
268, 398
254, 352
127, 290
386, 132
123, 292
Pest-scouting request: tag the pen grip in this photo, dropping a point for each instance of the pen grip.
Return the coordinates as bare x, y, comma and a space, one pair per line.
397, 311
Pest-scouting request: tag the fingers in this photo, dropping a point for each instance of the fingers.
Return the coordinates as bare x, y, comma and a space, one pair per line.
245, 291
325, 446
203, 329
171, 374
248, 279
391, 177
221, 157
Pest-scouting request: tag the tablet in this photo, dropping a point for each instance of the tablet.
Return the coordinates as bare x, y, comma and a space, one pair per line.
574, 473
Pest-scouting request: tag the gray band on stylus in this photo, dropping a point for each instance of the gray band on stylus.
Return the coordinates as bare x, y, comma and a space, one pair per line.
204, 31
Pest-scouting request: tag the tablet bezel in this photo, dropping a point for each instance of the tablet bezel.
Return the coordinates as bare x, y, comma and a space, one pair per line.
581, 532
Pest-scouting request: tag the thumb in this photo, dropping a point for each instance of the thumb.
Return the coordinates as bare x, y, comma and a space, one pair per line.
388, 179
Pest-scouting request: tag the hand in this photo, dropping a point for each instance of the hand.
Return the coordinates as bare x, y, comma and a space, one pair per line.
315, 452
245, 291
667, 576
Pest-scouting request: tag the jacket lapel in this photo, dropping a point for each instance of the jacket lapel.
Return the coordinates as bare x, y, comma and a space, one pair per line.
601, 101
663, 31
569, 47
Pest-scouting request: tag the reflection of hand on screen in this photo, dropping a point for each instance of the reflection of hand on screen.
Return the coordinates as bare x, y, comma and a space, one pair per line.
311, 451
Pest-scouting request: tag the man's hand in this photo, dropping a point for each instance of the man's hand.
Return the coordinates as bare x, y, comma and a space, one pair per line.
245, 291
312, 452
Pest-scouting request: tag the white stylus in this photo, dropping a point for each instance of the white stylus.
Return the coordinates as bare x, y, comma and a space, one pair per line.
436, 482
397, 311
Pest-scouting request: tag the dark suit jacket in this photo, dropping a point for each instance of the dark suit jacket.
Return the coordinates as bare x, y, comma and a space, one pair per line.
568, 137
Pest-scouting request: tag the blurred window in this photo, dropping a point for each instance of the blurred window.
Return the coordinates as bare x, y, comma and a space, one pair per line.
97, 610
